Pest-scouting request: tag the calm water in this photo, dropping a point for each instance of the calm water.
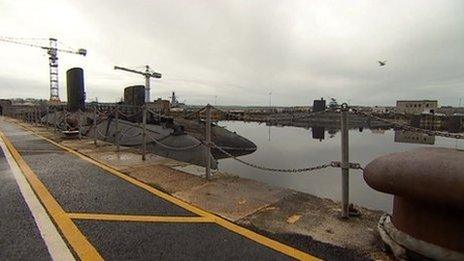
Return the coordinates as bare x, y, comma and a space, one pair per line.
292, 147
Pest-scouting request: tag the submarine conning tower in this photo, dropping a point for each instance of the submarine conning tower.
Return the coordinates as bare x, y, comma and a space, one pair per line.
75, 89
134, 95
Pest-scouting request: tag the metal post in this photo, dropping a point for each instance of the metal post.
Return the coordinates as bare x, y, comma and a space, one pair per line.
37, 117
116, 117
95, 132
208, 141
144, 132
79, 123
47, 113
65, 116
345, 161
34, 115
147, 86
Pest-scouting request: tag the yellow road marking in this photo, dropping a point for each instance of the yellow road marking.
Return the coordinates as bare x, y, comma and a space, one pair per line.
273, 244
75, 238
139, 218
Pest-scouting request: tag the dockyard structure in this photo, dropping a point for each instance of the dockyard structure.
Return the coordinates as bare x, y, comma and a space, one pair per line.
416, 106
163, 106
430, 121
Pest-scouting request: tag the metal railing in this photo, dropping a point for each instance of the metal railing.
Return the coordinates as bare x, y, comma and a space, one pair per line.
41, 115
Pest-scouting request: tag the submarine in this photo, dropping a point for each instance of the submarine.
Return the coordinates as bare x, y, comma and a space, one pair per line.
179, 139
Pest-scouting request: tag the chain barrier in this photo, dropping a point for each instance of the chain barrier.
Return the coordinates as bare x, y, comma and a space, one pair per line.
128, 115
268, 118
228, 114
102, 135
154, 113
104, 114
338, 164
195, 113
307, 169
408, 127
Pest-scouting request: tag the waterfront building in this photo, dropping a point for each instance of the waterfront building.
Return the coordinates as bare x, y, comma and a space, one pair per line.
416, 106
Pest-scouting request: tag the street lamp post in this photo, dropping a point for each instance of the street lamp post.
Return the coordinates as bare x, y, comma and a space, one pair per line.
270, 99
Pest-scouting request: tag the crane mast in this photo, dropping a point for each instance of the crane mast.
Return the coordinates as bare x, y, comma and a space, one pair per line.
148, 73
52, 50
53, 62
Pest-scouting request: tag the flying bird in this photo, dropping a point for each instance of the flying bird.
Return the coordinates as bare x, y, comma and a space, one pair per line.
382, 63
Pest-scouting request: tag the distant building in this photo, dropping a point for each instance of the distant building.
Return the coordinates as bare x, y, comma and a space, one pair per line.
416, 106
427, 120
381, 110
449, 111
174, 102
160, 105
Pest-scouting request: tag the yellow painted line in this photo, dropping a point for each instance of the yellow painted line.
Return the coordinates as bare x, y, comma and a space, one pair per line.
273, 244
75, 238
139, 218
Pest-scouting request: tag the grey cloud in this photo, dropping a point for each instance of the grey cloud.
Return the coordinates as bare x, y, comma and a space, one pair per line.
299, 50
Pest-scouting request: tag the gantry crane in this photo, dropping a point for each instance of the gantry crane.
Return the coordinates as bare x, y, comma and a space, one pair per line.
52, 50
148, 73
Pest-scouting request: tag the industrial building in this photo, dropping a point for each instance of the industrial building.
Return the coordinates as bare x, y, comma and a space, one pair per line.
416, 106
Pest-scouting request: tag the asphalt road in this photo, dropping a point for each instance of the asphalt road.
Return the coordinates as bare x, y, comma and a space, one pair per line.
19, 236
103, 215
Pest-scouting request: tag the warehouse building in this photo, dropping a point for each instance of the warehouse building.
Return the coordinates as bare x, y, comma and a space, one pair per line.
416, 106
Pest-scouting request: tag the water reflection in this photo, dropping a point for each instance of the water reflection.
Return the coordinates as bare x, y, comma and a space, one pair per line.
292, 147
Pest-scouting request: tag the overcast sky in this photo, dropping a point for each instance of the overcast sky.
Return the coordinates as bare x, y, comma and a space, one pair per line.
240, 51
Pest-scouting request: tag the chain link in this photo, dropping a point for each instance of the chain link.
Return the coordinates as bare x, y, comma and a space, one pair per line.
194, 113
338, 164
308, 169
127, 115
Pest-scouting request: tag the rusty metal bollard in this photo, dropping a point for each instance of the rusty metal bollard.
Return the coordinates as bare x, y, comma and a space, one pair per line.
428, 207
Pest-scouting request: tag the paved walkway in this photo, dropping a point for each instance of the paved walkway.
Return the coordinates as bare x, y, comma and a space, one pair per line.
96, 212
